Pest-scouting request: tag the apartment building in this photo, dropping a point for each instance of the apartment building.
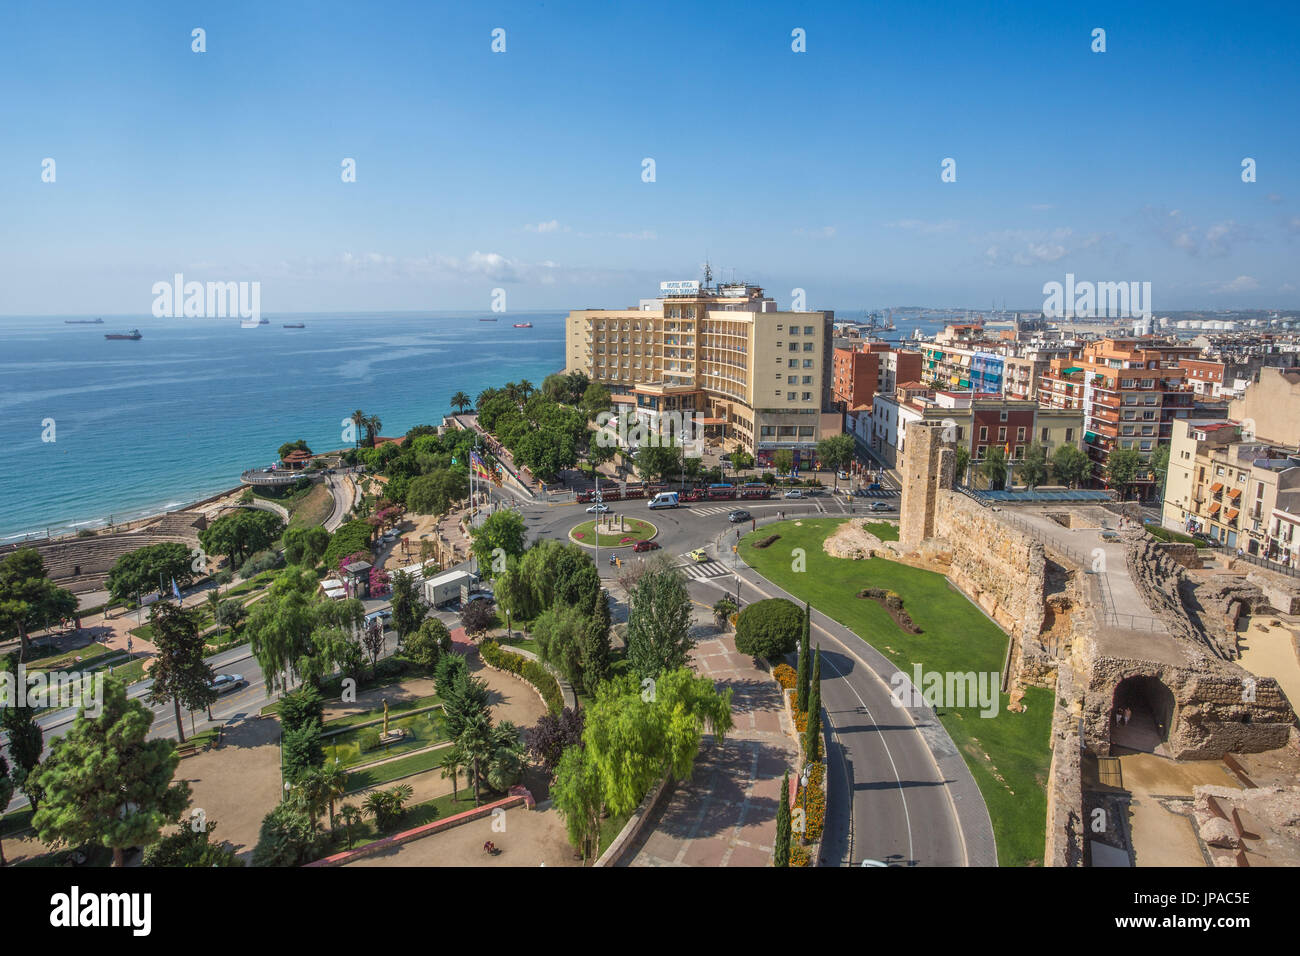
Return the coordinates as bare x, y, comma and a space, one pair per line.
1130, 390
1231, 487
759, 378
978, 422
1271, 406
861, 370
1004, 366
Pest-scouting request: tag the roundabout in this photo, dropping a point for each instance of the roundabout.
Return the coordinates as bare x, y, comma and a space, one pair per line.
624, 532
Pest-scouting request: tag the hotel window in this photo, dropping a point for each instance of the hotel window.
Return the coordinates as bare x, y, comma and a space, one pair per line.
807, 330
808, 346
805, 431
789, 396
793, 363
807, 396
794, 330
792, 380
794, 346
807, 380
807, 363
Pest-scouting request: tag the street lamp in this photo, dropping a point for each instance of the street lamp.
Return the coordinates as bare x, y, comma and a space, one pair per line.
803, 801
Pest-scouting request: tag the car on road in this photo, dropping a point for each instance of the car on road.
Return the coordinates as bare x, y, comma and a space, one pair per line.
881, 506
597, 509
645, 546
842, 475
699, 555
225, 683
739, 515
384, 614
874, 486
794, 493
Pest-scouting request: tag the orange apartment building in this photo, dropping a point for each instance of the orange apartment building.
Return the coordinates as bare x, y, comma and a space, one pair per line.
859, 372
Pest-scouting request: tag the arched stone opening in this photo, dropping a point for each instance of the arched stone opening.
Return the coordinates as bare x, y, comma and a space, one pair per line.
1142, 714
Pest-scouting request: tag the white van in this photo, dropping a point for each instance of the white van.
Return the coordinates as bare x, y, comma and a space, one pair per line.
665, 499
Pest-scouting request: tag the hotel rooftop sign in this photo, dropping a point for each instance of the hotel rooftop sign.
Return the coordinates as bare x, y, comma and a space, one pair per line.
680, 287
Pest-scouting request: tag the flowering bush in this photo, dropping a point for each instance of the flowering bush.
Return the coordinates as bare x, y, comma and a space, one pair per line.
785, 676
814, 802
800, 716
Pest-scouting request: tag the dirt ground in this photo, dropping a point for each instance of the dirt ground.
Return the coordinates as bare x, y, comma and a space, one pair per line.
1162, 836
1268, 651
529, 838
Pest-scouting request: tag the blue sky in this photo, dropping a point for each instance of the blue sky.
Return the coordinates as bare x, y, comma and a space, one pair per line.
522, 170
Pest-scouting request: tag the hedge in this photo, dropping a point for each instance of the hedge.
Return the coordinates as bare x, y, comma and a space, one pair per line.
528, 670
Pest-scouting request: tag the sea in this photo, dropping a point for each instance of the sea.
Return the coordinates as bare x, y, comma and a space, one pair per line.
98, 430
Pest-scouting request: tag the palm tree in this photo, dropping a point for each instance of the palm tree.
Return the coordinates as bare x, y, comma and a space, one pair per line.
512, 392
359, 420
526, 388
350, 817
451, 767
460, 401
334, 784
309, 793
373, 424
484, 396
474, 746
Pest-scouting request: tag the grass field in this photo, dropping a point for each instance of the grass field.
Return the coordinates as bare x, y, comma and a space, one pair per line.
882, 530
403, 767
638, 529
422, 730
1008, 754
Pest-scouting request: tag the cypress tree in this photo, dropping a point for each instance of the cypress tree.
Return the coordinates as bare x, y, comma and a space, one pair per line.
782, 853
801, 681
812, 743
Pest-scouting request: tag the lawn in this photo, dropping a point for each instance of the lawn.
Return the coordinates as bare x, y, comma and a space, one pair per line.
401, 707
422, 730
638, 529
402, 767
883, 530
1008, 755
417, 815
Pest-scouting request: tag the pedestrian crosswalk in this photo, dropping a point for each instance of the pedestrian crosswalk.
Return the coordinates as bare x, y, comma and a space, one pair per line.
700, 570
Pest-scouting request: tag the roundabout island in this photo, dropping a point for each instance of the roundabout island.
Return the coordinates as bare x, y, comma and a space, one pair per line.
616, 531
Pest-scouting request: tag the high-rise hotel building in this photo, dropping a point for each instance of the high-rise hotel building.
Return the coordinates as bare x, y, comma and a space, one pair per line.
758, 378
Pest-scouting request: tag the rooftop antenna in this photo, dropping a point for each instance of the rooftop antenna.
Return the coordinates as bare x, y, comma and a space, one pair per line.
708, 274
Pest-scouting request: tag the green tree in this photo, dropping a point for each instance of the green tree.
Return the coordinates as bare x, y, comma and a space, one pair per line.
655, 462
783, 461
6, 794
26, 738
105, 783
460, 401
801, 681
291, 446
1034, 470
636, 733
305, 545
387, 806
191, 845
434, 493
578, 794
723, 608
409, 609
301, 750
1121, 468
836, 453
994, 466
28, 598
812, 741
504, 530
180, 673
1071, 465
659, 621
781, 856
144, 570
350, 816
1160, 466
962, 464
288, 837
769, 628
428, 644
230, 614
241, 533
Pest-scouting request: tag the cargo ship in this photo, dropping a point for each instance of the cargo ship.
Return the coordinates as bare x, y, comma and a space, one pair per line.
487, 320
523, 325
83, 321
133, 334
295, 325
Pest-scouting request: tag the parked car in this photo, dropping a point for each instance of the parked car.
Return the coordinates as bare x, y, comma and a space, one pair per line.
645, 546
739, 515
881, 506
598, 509
385, 615
794, 493
225, 683
699, 555
842, 475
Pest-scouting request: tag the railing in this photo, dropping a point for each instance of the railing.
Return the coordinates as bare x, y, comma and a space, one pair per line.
1262, 562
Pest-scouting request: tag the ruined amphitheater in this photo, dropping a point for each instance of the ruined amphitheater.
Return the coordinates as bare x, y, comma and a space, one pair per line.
1113, 621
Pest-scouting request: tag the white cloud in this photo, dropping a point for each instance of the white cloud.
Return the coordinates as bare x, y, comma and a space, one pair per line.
923, 227
1239, 284
550, 225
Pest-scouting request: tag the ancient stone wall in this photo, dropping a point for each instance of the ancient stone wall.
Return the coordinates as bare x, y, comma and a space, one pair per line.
1000, 568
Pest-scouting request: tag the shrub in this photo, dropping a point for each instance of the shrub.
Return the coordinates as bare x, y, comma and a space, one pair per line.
259, 562
770, 539
288, 838
369, 741
769, 628
527, 670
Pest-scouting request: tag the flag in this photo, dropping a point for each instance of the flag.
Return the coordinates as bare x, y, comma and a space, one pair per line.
176, 592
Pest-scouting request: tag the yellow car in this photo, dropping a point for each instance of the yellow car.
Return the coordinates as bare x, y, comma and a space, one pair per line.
699, 555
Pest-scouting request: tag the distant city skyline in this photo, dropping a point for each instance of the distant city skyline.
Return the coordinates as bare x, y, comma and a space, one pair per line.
523, 170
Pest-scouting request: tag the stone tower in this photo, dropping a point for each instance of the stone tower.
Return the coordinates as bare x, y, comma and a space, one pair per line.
929, 459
